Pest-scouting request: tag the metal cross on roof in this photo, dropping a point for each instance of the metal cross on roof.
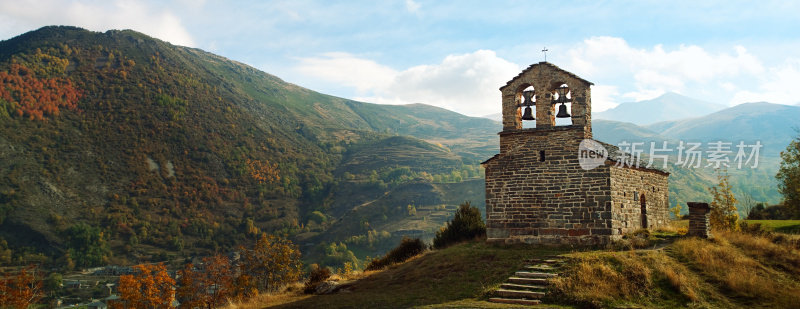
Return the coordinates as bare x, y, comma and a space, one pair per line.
544, 50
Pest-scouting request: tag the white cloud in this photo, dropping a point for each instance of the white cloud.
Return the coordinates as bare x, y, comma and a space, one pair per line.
778, 85
348, 70
25, 15
647, 73
412, 6
467, 83
603, 97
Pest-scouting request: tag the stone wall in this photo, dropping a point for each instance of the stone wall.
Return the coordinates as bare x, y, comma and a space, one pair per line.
546, 200
628, 186
698, 220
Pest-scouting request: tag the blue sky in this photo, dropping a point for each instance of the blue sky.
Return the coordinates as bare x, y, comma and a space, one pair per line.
456, 54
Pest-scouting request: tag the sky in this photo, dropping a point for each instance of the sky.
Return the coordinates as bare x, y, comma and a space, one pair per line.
456, 54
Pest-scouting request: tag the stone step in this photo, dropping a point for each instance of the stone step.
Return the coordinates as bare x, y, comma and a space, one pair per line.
534, 274
520, 280
515, 301
518, 294
513, 286
541, 267
545, 261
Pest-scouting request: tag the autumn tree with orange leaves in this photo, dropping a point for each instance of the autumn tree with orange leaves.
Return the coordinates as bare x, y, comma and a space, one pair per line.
150, 286
20, 290
23, 94
207, 285
263, 172
273, 262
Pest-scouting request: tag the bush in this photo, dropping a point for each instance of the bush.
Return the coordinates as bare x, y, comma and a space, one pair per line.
407, 249
467, 224
315, 277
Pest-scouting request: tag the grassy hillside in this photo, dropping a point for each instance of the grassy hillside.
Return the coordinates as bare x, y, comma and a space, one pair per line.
163, 150
733, 270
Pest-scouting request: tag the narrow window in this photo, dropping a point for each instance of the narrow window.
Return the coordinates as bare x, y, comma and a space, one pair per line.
541, 155
635, 196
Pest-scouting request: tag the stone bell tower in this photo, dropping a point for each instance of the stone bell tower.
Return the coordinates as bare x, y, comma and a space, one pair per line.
536, 189
546, 80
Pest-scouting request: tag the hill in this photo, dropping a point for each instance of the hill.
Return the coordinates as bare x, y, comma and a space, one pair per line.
680, 272
772, 124
669, 106
157, 150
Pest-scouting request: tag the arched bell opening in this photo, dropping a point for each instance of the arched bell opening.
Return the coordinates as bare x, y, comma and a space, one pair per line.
562, 101
526, 99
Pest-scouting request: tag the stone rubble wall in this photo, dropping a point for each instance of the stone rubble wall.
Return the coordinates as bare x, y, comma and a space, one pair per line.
627, 187
551, 201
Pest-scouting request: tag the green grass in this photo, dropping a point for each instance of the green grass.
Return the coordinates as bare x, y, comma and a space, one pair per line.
459, 276
782, 226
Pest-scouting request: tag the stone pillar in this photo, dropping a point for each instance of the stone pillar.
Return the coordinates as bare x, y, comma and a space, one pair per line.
698, 220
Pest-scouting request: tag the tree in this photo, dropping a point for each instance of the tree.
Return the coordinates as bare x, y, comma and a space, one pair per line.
789, 176
150, 286
748, 203
466, 224
676, 211
723, 214
206, 286
20, 290
87, 245
272, 263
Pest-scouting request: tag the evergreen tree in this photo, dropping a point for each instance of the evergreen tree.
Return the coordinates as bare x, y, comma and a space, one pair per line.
466, 224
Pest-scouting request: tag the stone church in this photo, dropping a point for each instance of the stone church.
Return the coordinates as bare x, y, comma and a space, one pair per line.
542, 187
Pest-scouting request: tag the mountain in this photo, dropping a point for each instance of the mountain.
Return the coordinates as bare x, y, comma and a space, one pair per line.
669, 106
496, 117
116, 147
773, 125
615, 132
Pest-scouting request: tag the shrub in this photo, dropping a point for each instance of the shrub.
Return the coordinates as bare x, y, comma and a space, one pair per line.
407, 249
315, 277
467, 224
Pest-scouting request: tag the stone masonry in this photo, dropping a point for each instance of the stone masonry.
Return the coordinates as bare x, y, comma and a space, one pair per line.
698, 220
536, 190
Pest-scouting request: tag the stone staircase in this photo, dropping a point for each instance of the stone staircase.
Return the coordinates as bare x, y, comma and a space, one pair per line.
528, 286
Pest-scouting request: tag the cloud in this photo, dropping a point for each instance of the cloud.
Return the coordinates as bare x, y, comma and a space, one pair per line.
412, 6
25, 15
778, 85
348, 70
603, 97
465, 83
654, 71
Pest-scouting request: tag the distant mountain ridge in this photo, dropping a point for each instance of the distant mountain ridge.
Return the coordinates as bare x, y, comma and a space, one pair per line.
669, 106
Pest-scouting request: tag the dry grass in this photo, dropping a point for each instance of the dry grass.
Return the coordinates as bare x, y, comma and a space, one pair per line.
458, 276
674, 227
733, 270
610, 278
748, 268
288, 293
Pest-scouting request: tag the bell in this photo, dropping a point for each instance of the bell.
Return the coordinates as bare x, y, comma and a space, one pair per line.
562, 111
528, 115
562, 95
